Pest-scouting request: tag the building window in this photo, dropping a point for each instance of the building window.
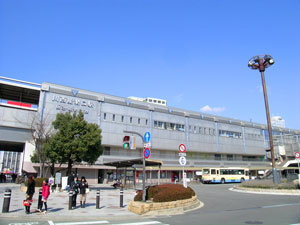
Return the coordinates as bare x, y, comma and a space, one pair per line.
139, 120
168, 126
231, 134
122, 118
114, 117
106, 150
230, 157
146, 122
130, 119
104, 117
217, 156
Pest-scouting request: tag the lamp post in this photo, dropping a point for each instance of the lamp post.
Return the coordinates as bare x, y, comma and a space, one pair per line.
261, 62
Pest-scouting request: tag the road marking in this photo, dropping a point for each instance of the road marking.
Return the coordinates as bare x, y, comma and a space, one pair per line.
274, 206
28, 223
140, 223
50, 223
80, 223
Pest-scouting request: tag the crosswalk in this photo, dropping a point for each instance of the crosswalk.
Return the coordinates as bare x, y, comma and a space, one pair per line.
91, 223
108, 223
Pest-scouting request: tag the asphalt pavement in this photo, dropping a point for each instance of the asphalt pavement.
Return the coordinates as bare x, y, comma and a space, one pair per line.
222, 206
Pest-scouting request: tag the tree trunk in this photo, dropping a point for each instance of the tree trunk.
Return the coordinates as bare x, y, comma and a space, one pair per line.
52, 168
70, 162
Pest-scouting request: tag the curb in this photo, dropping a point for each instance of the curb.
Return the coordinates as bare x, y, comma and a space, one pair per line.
174, 211
265, 191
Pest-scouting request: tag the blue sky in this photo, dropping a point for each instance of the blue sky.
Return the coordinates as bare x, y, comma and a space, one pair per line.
194, 54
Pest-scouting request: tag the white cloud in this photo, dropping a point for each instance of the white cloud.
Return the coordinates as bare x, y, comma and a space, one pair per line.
207, 108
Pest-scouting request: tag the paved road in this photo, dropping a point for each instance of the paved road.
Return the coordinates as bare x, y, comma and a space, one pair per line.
222, 207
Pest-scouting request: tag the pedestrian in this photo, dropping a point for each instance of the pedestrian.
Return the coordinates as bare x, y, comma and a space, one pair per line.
83, 185
45, 195
30, 191
74, 188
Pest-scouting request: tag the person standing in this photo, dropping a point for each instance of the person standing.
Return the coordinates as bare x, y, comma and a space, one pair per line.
30, 191
45, 195
83, 185
74, 187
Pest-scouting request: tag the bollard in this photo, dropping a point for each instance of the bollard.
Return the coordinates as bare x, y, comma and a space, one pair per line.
70, 200
40, 199
6, 202
121, 197
98, 199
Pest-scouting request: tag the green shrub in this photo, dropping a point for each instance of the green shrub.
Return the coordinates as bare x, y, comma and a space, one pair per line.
268, 184
38, 181
167, 193
139, 196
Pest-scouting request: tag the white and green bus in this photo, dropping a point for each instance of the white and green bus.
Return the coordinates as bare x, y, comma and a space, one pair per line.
225, 175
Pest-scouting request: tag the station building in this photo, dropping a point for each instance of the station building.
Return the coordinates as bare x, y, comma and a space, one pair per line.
211, 141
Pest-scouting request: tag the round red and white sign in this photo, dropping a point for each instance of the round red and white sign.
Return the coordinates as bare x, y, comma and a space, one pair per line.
297, 155
182, 148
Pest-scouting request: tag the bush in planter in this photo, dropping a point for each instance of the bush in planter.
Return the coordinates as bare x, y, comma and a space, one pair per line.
38, 181
167, 193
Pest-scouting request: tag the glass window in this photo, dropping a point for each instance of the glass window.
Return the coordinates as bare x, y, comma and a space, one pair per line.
146, 122
139, 120
217, 156
122, 118
104, 117
213, 171
130, 119
106, 150
206, 171
114, 117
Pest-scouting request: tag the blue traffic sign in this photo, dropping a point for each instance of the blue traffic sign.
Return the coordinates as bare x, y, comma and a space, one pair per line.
147, 137
147, 153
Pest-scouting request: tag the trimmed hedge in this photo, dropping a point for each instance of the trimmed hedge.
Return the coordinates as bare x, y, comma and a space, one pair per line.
268, 184
38, 181
166, 193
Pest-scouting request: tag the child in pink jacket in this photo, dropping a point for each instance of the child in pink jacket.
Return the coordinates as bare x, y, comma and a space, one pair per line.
45, 194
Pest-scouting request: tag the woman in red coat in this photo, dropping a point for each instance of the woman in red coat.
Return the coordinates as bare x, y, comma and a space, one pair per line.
45, 194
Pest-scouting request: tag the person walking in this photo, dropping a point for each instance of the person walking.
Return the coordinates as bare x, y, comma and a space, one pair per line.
74, 187
45, 195
30, 191
83, 185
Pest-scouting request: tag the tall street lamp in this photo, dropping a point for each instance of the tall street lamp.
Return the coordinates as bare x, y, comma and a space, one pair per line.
261, 62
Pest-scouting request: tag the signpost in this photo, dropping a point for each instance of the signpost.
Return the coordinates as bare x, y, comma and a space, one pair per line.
182, 162
297, 156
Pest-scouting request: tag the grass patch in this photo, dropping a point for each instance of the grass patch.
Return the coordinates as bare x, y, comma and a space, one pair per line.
268, 184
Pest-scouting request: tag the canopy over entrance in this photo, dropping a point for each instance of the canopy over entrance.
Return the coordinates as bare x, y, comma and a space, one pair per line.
133, 162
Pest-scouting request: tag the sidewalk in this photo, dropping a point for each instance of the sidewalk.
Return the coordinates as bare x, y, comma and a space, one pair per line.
58, 204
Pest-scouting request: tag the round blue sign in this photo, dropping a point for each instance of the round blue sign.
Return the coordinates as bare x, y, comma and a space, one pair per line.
147, 153
147, 137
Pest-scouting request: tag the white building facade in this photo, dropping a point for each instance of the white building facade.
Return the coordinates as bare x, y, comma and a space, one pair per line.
211, 141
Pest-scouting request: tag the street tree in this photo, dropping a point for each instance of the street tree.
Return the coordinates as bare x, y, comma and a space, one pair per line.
74, 141
41, 130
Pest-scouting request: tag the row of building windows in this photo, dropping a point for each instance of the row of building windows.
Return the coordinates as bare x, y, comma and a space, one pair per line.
181, 127
168, 126
121, 118
190, 155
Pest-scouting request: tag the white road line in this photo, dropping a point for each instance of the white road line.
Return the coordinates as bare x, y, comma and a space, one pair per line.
50, 223
82, 223
274, 206
140, 223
